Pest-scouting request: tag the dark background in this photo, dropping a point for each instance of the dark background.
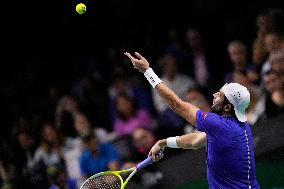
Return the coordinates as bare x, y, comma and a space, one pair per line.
47, 42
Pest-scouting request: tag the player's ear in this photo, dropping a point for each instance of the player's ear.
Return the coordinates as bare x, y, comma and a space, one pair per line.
228, 107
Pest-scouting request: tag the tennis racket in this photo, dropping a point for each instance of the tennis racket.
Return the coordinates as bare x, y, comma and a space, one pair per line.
113, 179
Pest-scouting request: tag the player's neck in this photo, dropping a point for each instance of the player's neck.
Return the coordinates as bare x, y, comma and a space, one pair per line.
227, 114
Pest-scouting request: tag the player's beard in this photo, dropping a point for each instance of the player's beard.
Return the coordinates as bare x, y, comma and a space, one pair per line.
217, 108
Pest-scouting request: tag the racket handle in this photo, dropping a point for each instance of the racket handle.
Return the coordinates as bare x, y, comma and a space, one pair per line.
144, 163
147, 161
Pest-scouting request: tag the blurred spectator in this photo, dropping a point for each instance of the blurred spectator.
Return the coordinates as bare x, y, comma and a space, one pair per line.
174, 47
74, 146
169, 122
277, 63
83, 125
196, 97
122, 84
50, 149
130, 116
97, 157
92, 97
199, 60
274, 103
46, 106
4, 183
265, 23
6, 169
66, 103
259, 55
272, 42
142, 141
23, 151
58, 178
275, 80
172, 78
237, 52
271, 102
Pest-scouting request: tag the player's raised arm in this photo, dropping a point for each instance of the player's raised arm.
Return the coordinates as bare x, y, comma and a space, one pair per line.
184, 109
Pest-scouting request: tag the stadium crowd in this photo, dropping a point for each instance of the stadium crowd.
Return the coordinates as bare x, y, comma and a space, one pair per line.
98, 124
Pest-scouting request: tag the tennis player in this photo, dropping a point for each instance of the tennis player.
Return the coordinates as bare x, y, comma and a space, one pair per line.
225, 132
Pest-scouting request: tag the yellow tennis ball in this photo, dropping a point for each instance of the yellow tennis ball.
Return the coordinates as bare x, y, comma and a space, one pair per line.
81, 8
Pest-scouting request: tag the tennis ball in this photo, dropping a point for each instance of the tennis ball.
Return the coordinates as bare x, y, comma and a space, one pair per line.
81, 8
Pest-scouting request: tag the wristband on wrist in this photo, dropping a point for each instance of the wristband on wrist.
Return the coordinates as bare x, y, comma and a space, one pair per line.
172, 142
153, 79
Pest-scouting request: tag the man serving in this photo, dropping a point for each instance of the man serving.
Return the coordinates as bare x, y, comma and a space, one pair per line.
225, 132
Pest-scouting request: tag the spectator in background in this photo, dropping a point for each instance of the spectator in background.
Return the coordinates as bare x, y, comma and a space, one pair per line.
50, 149
66, 104
173, 78
6, 176
237, 52
82, 125
275, 82
199, 59
196, 97
274, 102
97, 157
23, 152
92, 97
264, 25
142, 139
174, 47
130, 116
123, 84
271, 102
259, 55
169, 122
58, 178
272, 42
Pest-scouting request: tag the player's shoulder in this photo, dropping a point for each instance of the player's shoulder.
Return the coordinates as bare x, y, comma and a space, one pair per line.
206, 116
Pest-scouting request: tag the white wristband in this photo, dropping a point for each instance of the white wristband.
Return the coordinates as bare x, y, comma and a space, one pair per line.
172, 142
152, 77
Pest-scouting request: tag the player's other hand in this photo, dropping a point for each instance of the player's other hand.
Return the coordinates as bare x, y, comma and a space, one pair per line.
139, 62
157, 151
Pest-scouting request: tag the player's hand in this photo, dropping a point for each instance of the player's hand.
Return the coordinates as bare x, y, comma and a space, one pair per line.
157, 151
139, 62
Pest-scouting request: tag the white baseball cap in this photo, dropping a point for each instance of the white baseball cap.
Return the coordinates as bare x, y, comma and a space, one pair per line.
239, 96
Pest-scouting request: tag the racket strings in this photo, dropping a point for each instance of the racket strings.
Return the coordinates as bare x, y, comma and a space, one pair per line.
108, 181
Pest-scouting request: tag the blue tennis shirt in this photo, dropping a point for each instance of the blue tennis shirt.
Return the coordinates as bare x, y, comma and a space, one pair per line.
229, 152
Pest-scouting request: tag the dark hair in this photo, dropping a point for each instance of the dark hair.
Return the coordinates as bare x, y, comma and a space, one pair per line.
133, 102
232, 111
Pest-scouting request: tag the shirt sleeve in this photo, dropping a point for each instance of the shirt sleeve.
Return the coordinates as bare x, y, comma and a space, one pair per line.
210, 123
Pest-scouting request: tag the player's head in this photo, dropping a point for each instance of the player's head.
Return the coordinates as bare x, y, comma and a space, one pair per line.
232, 99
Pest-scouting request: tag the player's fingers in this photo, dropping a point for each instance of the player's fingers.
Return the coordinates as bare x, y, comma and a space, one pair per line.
130, 56
150, 153
154, 156
139, 55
